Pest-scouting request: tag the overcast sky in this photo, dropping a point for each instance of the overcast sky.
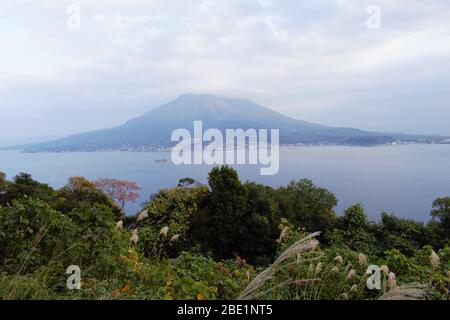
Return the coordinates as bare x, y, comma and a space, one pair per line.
312, 59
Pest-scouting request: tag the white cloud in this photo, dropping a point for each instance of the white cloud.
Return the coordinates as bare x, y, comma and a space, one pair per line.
308, 59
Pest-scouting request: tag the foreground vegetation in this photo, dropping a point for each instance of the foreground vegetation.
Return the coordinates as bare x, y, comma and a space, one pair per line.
227, 240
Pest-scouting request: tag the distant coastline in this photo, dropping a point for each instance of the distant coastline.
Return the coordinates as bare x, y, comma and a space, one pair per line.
166, 148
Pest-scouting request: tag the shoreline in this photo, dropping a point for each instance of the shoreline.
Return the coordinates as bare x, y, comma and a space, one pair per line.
164, 149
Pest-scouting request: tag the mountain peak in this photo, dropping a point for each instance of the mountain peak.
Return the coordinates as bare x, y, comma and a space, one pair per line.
196, 95
212, 110
208, 98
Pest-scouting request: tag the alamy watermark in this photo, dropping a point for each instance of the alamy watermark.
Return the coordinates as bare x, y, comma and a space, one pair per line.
74, 17
74, 279
374, 20
374, 281
239, 146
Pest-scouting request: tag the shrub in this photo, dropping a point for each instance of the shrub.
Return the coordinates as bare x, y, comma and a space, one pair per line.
32, 234
171, 210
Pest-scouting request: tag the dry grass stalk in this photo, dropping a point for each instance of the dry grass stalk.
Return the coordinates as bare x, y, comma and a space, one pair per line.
256, 283
304, 245
339, 259
283, 234
385, 269
351, 274
134, 236
413, 291
143, 215
362, 259
319, 268
304, 282
348, 267
434, 259
335, 269
392, 281
164, 231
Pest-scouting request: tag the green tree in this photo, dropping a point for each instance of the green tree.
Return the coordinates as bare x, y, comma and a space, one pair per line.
307, 205
441, 211
185, 182
3, 183
220, 225
262, 219
354, 232
402, 234
23, 186
355, 218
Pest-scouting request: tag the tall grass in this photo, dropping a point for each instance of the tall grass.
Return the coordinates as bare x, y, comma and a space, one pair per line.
301, 273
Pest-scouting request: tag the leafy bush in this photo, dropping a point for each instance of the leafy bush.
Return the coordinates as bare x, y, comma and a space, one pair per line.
32, 234
166, 221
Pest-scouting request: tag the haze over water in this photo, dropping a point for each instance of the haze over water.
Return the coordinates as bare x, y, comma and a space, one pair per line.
403, 180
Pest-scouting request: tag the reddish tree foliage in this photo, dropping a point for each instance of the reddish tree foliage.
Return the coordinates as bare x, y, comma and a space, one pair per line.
119, 190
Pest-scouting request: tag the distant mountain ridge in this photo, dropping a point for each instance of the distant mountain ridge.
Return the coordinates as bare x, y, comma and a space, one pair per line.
153, 129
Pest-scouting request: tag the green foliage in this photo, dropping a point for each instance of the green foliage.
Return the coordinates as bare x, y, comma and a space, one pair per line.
355, 218
262, 219
407, 236
193, 242
418, 268
3, 184
194, 277
221, 224
242, 219
98, 240
186, 182
172, 209
31, 234
189, 277
23, 186
441, 211
354, 231
79, 192
28, 287
307, 205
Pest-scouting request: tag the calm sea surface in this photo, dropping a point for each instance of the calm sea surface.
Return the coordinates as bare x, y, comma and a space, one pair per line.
401, 179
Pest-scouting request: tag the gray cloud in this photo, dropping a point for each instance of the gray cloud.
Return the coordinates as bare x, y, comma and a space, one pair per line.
314, 60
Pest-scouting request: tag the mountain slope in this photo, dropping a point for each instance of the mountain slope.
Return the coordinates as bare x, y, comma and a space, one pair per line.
154, 128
